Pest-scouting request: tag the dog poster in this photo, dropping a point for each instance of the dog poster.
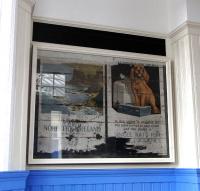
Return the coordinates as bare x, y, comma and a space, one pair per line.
93, 108
137, 109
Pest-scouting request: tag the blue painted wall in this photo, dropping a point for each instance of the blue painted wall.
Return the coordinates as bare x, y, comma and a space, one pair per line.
13, 180
102, 180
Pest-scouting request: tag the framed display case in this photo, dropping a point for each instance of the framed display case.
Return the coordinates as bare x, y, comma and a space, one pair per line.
99, 106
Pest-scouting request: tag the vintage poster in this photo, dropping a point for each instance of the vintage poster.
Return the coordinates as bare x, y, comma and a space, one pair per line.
103, 108
137, 109
70, 106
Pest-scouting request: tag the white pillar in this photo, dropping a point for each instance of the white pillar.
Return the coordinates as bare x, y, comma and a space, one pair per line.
21, 85
194, 31
185, 43
7, 24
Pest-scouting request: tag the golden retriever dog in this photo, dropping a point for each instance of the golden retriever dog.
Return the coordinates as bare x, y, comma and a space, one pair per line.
143, 94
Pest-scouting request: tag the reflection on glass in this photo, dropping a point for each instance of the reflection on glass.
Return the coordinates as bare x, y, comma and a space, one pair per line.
51, 84
59, 80
47, 79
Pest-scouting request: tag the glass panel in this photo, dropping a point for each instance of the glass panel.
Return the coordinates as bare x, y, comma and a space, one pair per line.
90, 106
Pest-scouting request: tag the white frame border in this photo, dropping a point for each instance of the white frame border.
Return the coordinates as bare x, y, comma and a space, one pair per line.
110, 53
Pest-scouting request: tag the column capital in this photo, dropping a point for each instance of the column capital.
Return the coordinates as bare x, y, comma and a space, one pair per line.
28, 5
187, 28
30, 2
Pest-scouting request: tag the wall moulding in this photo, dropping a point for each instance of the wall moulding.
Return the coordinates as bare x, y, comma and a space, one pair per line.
187, 28
27, 5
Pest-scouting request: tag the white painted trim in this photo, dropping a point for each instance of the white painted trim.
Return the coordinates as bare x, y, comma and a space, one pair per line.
7, 51
194, 28
27, 5
29, 2
95, 51
194, 52
98, 27
178, 33
177, 30
186, 28
20, 86
186, 42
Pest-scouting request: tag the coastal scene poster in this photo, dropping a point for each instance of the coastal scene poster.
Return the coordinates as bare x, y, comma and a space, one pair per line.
70, 107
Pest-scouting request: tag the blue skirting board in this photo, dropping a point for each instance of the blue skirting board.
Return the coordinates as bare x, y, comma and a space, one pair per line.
102, 180
13, 180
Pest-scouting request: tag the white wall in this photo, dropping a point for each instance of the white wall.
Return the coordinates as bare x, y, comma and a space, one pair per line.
156, 16
180, 11
177, 14
193, 10
140, 15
